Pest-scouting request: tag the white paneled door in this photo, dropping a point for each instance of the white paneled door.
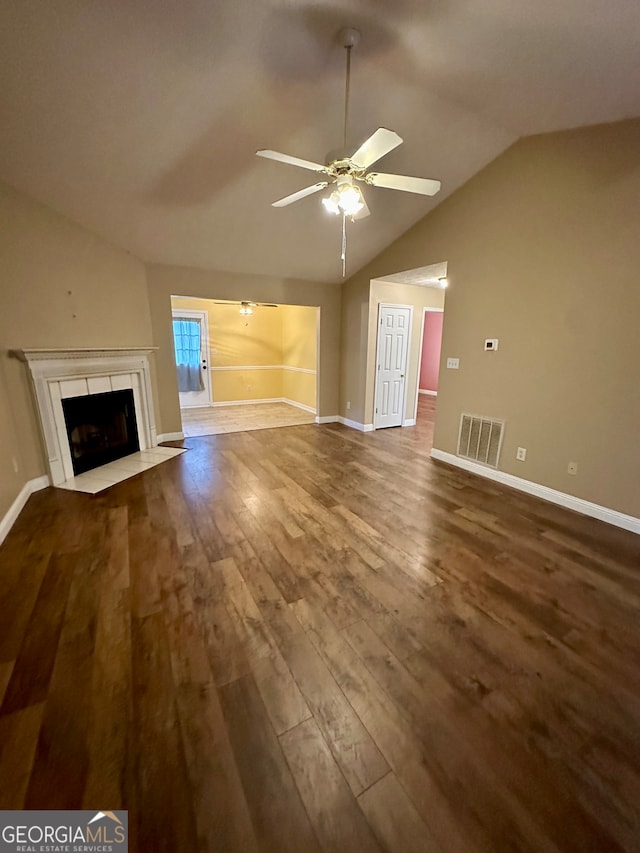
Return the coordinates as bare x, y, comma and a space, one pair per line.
394, 328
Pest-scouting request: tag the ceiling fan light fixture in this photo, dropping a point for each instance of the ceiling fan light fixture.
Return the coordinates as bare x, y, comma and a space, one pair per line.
332, 202
346, 199
245, 309
351, 200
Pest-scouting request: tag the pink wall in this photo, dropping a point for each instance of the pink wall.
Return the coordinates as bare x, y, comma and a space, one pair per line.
431, 344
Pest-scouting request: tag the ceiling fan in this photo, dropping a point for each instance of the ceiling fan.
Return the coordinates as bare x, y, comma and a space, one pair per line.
344, 171
247, 307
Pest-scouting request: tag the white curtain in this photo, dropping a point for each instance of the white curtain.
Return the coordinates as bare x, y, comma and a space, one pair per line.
186, 339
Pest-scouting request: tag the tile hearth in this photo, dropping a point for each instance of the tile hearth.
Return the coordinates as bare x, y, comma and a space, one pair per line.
108, 475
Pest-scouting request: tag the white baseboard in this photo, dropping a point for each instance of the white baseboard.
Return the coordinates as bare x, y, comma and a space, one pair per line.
170, 436
306, 408
327, 419
355, 424
265, 400
370, 427
603, 513
17, 506
424, 391
249, 402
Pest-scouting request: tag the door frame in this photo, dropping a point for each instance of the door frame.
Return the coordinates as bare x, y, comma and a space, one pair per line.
203, 316
382, 305
424, 311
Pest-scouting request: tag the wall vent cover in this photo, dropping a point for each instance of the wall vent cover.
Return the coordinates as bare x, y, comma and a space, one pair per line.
480, 439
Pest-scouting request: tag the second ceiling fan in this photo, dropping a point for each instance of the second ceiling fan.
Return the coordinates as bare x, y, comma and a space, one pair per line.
344, 171
247, 307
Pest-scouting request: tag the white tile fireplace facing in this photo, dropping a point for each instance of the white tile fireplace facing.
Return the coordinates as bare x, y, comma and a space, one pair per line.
60, 373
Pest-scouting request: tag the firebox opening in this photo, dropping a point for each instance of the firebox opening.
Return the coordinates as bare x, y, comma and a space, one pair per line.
100, 428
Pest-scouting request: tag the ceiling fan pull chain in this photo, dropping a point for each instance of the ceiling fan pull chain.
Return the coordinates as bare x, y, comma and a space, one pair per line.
343, 254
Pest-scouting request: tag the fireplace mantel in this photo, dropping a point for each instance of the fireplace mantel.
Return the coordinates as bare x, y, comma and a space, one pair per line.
57, 374
30, 355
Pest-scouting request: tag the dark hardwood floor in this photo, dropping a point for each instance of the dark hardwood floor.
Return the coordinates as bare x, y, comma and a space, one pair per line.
310, 639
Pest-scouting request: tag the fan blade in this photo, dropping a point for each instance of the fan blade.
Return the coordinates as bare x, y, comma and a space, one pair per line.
253, 304
376, 146
289, 199
292, 161
424, 186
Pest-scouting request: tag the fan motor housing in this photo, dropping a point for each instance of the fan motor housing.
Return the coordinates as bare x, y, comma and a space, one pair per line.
343, 166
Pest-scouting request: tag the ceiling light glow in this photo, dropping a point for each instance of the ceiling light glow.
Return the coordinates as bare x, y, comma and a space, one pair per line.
351, 200
346, 199
332, 203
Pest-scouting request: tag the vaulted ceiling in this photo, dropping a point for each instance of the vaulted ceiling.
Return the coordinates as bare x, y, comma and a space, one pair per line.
140, 118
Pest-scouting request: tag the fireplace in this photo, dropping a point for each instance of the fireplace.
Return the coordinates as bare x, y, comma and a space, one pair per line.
67, 381
101, 428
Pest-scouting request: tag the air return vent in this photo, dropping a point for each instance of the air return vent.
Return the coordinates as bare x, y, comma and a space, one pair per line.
480, 439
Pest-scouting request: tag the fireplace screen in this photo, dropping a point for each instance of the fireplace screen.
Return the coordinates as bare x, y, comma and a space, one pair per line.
100, 428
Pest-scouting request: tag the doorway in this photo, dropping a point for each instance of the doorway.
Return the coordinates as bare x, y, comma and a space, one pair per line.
191, 344
430, 348
428, 370
261, 365
417, 289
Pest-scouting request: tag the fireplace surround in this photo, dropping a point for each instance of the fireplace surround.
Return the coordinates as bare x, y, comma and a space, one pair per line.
60, 374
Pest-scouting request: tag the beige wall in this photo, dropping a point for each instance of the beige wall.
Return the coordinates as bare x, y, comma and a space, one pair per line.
356, 293
165, 281
60, 286
398, 294
11, 480
543, 253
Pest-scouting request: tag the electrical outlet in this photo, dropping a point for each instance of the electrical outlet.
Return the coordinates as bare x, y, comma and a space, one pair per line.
453, 363
348, 404
521, 454
572, 468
